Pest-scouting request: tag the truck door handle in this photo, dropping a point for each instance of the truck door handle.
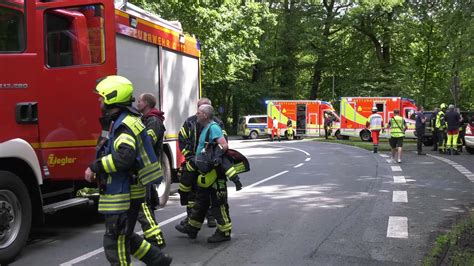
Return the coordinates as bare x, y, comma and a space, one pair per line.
26, 113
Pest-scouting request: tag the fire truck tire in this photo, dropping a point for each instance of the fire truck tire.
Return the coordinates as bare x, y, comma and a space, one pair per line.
165, 186
338, 135
15, 216
365, 135
253, 135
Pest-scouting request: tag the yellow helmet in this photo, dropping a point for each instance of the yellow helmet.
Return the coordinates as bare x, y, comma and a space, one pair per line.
115, 90
442, 106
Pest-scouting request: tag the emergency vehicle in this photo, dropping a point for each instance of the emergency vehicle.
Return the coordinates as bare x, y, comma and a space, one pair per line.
307, 117
356, 110
51, 55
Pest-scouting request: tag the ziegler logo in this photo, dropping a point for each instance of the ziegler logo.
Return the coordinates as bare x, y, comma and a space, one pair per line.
53, 160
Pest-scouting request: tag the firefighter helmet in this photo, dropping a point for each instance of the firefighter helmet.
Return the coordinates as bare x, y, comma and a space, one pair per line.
442, 106
116, 90
374, 109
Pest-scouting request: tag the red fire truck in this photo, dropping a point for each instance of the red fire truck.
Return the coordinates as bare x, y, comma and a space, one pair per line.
307, 116
356, 110
51, 55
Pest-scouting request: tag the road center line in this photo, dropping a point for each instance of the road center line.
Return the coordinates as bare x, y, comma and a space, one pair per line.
298, 165
396, 168
389, 160
400, 196
308, 159
399, 179
384, 155
397, 227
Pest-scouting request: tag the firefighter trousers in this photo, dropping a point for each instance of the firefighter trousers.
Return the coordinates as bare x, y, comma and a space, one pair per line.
442, 140
146, 217
120, 240
214, 196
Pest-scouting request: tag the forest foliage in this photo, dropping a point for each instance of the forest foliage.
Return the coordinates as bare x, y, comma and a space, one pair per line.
253, 51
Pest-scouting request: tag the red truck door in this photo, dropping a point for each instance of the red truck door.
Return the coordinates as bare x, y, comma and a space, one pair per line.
18, 88
78, 48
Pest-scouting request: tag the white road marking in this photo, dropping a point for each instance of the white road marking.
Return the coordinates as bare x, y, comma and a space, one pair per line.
100, 250
389, 160
396, 168
298, 165
397, 227
399, 179
307, 159
174, 218
384, 155
400, 196
463, 170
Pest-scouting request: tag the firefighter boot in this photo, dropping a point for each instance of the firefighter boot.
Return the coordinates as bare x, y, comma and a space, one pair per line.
187, 229
158, 258
375, 149
219, 236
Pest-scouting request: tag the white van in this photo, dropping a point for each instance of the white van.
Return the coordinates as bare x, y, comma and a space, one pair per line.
252, 126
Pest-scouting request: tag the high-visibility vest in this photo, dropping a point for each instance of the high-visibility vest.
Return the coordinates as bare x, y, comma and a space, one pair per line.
397, 127
375, 122
118, 188
440, 123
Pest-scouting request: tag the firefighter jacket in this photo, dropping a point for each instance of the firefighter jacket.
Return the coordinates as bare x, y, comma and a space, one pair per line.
374, 122
440, 121
188, 137
153, 121
127, 154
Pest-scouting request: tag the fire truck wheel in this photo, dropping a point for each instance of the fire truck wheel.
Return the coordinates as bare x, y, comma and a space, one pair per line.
253, 134
15, 216
365, 135
338, 134
165, 186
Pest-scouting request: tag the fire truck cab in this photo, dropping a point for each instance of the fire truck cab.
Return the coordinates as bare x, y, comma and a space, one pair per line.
51, 55
356, 110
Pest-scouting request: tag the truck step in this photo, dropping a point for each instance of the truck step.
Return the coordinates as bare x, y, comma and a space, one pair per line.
65, 204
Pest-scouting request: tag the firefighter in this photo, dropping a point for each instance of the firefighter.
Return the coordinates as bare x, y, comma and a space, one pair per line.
441, 126
420, 130
125, 164
434, 129
327, 125
375, 124
188, 139
453, 121
398, 127
153, 120
214, 193
289, 131
275, 130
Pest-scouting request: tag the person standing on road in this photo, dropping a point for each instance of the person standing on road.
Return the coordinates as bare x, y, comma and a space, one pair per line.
275, 129
441, 126
125, 164
214, 194
289, 132
375, 124
453, 120
188, 139
327, 125
420, 130
397, 126
153, 120
434, 129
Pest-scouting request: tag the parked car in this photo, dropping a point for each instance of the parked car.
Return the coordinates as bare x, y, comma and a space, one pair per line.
468, 131
252, 126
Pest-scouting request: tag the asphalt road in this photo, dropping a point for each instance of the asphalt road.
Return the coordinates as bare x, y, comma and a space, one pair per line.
303, 203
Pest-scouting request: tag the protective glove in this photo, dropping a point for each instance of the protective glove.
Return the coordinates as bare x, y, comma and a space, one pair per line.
236, 180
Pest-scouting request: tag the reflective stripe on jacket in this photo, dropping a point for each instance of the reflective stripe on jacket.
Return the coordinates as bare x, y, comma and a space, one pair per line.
440, 123
375, 122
